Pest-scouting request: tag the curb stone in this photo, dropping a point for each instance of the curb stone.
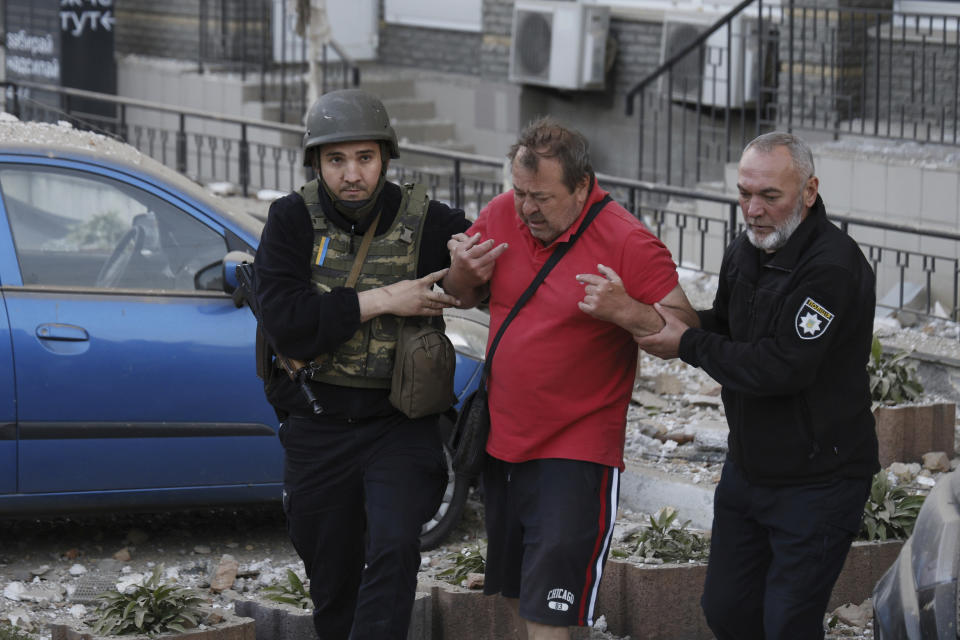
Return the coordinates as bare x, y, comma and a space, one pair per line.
654, 602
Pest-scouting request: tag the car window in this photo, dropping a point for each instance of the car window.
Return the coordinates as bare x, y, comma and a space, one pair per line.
78, 229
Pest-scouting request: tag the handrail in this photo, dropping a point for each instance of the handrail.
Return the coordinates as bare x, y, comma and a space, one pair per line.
153, 106
697, 236
697, 42
459, 156
347, 60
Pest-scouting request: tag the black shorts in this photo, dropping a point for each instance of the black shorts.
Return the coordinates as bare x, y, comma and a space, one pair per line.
549, 525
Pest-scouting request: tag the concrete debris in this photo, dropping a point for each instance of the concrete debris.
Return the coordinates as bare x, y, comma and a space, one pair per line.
904, 472
647, 399
109, 565
225, 574
669, 384
13, 591
127, 583
39, 592
269, 195
855, 615
123, 555
705, 400
936, 461
473, 581
680, 437
20, 618
223, 188
710, 440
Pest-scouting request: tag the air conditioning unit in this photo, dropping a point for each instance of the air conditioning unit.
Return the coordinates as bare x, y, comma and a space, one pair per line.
704, 75
559, 44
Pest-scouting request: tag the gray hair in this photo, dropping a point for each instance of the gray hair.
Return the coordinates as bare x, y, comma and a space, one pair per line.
799, 151
546, 137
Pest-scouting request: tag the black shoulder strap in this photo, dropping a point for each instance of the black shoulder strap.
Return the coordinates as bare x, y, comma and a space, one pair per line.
554, 258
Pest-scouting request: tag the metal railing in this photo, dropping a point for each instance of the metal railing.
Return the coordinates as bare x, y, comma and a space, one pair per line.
799, 67
696, 225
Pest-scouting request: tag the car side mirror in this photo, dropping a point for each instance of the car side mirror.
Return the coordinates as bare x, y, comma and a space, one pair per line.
230, 262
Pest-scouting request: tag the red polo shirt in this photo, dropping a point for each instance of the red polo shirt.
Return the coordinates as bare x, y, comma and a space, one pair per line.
561, 380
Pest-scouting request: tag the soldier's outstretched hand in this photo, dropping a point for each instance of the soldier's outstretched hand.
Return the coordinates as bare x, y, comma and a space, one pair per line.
407, 298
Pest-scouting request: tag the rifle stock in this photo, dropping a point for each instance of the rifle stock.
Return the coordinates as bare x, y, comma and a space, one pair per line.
297, 370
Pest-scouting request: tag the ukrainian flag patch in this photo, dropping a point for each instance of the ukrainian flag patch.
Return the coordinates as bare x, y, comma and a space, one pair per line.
322, 247
812, 319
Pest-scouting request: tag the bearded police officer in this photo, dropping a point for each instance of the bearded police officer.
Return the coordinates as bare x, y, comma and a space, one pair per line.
360, 478
788, 338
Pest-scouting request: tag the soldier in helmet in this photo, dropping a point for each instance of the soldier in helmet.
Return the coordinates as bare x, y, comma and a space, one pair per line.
360, 478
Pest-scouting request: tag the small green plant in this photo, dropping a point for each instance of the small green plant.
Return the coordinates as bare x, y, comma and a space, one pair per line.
893, 379
890, 512
152, 608
10, 632
665, 540
466, 561
293, 592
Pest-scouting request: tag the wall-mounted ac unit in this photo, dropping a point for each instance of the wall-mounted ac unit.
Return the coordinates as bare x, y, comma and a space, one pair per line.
559, 44
703, 74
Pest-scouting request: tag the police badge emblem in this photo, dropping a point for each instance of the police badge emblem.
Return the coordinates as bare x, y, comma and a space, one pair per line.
812, 320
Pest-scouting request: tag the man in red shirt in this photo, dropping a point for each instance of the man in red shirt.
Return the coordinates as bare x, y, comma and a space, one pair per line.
563, 372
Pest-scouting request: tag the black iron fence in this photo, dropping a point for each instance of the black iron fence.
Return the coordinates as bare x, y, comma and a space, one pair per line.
796, 66
697, 225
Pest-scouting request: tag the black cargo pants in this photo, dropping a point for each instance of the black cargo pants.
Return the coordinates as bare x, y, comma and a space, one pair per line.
356, 495
775, 554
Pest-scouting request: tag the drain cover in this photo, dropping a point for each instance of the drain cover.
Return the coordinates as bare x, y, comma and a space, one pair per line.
90, 587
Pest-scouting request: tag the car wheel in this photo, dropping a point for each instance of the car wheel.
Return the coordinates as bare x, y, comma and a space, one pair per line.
436, 530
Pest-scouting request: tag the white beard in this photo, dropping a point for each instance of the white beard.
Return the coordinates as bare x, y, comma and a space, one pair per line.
777, 238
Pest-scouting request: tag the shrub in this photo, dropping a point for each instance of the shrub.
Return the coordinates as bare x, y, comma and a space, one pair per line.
293, 592
667, 541
152, 608
890, 512
893, 379
10, 632
465, 561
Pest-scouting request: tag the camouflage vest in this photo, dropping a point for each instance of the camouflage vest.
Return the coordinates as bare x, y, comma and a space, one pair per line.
366, 359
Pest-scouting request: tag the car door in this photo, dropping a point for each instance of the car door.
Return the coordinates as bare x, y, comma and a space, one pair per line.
8, 415
134, 369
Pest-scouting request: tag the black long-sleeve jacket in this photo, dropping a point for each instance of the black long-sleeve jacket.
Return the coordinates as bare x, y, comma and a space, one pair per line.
304, 322
788, 338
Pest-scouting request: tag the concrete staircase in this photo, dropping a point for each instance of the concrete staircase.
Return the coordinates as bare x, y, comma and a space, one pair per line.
415, 119
179, 84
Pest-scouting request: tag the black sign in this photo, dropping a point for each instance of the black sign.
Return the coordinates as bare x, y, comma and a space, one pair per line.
86, 33
33, 40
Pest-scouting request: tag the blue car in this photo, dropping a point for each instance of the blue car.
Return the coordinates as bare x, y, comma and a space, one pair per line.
127, 375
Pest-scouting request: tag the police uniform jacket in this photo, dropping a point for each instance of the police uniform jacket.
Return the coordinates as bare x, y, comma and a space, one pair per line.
304, 322
788, 338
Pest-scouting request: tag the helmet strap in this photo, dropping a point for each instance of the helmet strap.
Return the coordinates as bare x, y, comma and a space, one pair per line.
354, 210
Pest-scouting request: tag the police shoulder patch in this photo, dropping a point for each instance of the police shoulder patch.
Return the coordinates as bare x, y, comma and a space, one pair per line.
812, 319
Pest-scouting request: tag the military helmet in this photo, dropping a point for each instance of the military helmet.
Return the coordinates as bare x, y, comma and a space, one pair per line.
347, 115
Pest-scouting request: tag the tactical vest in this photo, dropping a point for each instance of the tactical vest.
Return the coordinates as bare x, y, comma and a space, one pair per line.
366, 359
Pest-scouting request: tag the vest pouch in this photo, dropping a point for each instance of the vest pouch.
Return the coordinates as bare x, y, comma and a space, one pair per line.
423, 371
